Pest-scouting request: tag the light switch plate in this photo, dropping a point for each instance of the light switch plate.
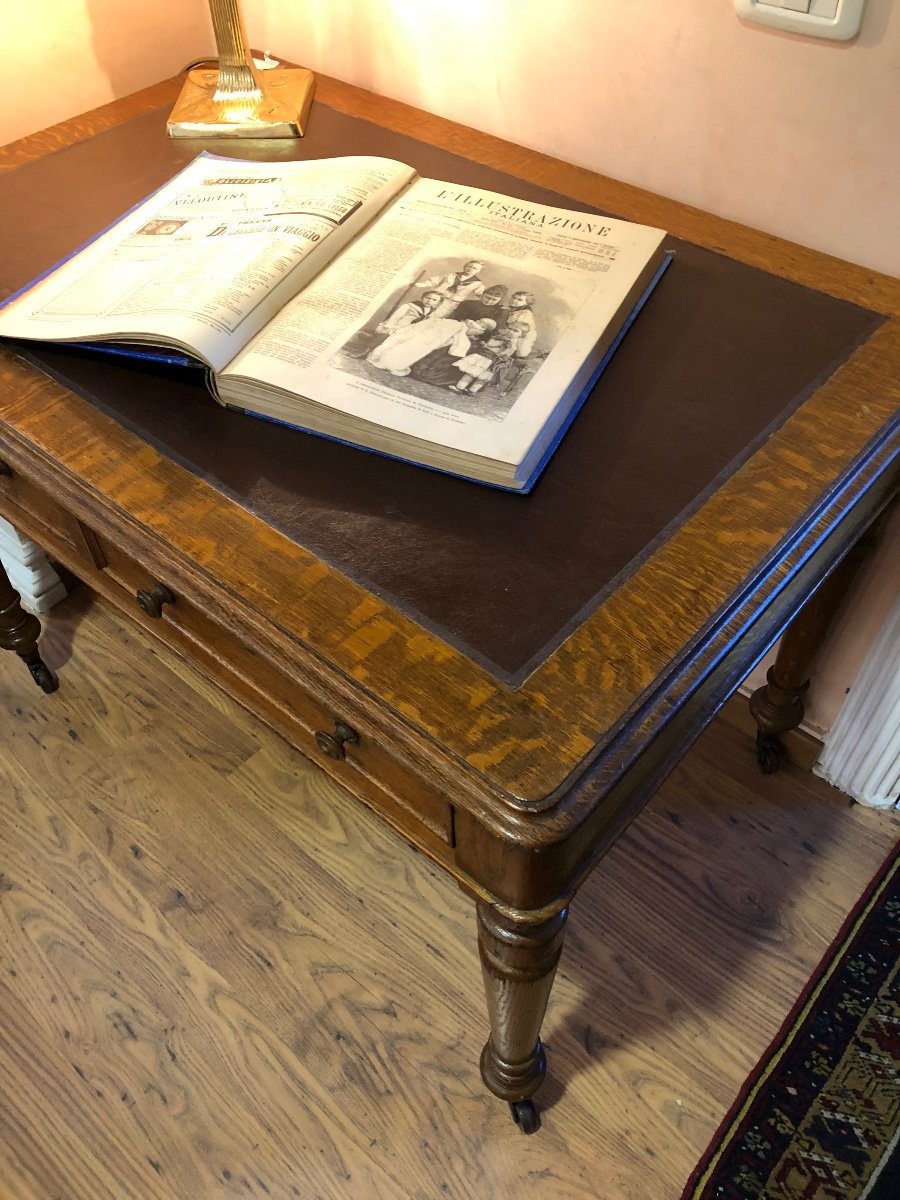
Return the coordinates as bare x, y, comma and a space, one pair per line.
837, 20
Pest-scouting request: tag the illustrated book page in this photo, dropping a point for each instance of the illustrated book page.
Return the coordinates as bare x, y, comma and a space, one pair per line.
552, 288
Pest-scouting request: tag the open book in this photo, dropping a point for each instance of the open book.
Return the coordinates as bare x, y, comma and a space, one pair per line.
455, 328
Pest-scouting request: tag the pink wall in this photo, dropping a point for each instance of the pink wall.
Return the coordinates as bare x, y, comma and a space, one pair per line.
791, 135
785, 133
63, 57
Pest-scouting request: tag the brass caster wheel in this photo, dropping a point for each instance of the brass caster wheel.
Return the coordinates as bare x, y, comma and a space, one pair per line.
768, 752
525, 1115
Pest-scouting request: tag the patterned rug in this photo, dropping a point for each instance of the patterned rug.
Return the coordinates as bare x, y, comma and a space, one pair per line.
819, 1118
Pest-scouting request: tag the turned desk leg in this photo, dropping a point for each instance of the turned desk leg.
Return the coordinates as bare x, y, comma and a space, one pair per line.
19, 631
777, 706
518, 959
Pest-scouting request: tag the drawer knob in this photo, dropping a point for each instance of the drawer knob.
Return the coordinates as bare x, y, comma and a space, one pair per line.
152, 602
5, 468
332, 744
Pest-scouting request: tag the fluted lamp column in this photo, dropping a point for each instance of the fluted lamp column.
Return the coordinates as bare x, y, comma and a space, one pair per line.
239, 99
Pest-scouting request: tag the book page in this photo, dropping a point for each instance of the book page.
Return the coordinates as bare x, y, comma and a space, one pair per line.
207, 260
517, 298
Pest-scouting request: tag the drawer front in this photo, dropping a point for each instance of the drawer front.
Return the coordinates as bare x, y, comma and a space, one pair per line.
366, 766
35, 513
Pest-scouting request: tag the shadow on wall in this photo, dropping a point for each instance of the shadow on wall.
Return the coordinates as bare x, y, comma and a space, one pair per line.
423, 53
136, 45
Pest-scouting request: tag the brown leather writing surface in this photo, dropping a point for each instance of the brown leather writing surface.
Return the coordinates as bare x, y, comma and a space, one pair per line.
720, 355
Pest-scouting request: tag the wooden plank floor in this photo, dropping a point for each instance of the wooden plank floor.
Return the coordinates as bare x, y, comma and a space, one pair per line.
220, 976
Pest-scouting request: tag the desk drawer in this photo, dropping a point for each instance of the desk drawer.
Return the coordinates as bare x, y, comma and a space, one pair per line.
368, 768
37, 514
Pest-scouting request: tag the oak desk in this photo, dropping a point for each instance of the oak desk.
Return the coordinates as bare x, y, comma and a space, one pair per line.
503, 679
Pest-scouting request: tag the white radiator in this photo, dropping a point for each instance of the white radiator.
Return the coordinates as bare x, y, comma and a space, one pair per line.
861, 754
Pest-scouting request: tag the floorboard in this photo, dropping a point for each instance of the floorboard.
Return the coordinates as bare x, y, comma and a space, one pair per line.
221, 976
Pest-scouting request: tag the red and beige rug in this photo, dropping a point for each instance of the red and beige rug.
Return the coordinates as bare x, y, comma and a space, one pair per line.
819, 1118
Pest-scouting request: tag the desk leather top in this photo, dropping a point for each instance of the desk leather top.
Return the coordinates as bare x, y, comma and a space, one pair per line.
722, 354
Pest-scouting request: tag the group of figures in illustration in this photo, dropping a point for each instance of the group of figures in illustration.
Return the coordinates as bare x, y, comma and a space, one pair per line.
457, 331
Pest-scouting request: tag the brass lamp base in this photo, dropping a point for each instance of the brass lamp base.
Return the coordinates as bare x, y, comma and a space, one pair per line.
276, 107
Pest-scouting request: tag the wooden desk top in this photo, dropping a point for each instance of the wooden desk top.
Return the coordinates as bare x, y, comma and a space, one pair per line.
534, 748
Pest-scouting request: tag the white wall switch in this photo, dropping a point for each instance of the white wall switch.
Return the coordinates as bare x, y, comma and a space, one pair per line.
837, 20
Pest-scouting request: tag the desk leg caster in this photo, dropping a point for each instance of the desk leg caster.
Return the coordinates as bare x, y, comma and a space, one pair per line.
769, 751
40, 672
519, 952
525, 1114
777, 707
